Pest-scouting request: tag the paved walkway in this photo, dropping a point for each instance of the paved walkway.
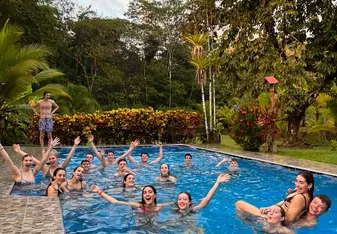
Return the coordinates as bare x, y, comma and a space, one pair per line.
20, 214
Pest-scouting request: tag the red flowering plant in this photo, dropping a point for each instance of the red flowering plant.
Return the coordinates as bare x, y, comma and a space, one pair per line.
269, 128
246, 130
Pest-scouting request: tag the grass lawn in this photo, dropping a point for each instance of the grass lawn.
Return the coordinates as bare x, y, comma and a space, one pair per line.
324, 155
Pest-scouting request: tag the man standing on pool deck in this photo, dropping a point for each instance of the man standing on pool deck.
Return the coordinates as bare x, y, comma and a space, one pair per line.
45, 123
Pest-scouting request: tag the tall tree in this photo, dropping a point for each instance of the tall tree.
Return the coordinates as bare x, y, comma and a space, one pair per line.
284, 39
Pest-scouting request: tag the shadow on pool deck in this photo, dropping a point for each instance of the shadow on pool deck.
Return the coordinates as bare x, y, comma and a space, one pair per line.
21, 214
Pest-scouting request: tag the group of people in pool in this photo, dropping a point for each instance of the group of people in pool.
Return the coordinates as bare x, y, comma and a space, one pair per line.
300, 208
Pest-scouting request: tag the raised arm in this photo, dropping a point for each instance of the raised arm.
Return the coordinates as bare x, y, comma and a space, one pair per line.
93, 147
54, 105
14, 170
96, 189
221, 178
18, 150
71, 153
160, 154
223, 161
133, 145
38, 167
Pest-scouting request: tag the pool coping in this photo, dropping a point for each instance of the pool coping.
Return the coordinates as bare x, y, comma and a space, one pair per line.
57, 212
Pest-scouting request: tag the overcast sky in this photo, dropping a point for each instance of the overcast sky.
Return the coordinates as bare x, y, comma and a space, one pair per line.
109, 8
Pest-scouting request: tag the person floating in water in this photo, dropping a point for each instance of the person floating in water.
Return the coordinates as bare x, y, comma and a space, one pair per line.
295, 204
147, 205
145, 157
53, 159
165, 175
111, 155
233, 163
184, 202
272, 222
53, 189
187, 160
46, 114
26, 174
319, 205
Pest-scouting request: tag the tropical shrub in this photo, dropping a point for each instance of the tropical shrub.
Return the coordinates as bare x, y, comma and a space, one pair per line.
123, 125
246, 130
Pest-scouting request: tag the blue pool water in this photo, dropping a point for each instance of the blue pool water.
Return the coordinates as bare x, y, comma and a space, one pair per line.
258, 183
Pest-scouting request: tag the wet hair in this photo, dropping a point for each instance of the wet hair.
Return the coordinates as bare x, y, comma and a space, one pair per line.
45, 93
90, 155
154, 191
110, 152
53, 179
145, 154
122, 160
54, 152
326, 200
188, 195
125, 178
57, 170
168, 167
234, 160
188, 155
83, 161
283, 212
309, 178
25, 156
76, 169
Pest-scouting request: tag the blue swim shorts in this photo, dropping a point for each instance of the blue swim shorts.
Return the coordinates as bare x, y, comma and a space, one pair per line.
46, 125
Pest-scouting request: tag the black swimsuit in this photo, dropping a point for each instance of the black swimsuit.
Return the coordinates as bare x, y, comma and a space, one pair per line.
288, 199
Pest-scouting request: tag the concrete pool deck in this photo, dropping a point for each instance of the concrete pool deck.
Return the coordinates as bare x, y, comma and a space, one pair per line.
23, 214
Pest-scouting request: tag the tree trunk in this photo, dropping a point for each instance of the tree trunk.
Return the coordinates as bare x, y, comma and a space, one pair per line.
145, 80
294, 121
214, 112
205, 112
170, 77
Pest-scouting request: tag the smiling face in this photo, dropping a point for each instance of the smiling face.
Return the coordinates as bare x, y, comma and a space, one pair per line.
301, 185
89, 157
60, 176
164, 170
188, 159
130, 181
317, 207
184, 201
47, 95
110, 156
149, 196
77, 173
144, 158
27, 161
53, 160
86, 166
274, 216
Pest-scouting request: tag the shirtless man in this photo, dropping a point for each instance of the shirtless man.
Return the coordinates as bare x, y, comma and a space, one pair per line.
319, 205
45, 123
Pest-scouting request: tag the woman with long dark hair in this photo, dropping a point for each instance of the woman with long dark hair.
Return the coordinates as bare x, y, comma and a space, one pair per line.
53, 189
296, 202
76, 182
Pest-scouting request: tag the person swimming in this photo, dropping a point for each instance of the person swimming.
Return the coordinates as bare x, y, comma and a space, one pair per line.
53, 189
145, 157
184, 201
53, 159
165, 175
148, 203
295, 204
26, 174
76, 182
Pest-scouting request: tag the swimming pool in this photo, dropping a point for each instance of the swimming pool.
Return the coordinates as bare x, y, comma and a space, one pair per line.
258, 183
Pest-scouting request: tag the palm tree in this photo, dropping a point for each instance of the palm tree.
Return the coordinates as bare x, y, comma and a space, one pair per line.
20, 68
201, 63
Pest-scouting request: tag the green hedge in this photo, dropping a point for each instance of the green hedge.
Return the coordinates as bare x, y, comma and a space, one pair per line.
123, 125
